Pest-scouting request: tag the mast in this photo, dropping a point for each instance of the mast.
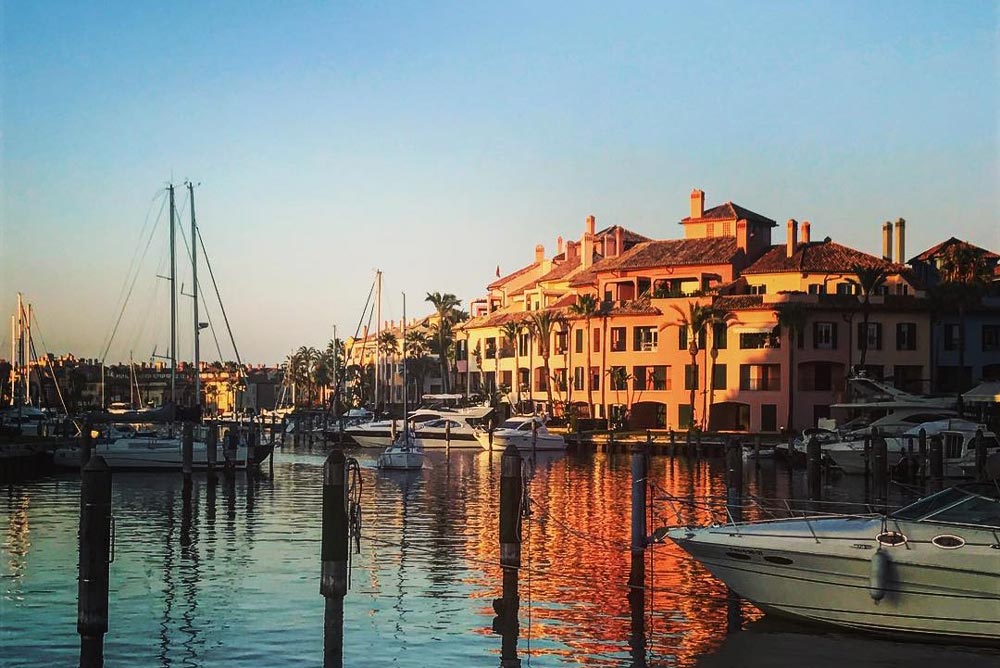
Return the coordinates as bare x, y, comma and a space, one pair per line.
406, 413
27, 356
378, 332
173, 301
19, 362
13, 359
335, 388
194, 279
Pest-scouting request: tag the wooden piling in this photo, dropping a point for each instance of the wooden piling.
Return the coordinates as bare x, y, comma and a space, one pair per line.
447, 435
333, 556
637, 574
187, 449
814, 468
511, 495
734, 479
756, 451
980, 455
697, 443
211, 446
673, 443
86, 444
95, 557
230, 439
937, 460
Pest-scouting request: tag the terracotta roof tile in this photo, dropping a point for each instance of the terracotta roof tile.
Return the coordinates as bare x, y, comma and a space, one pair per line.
504, 279
738, 302
730, 211
816, 256
714, 250
939, 249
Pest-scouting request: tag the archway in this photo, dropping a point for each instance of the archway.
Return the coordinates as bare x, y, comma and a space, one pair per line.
729, 416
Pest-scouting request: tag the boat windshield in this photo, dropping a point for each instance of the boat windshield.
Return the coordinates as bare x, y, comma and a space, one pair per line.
520, 425
974, 503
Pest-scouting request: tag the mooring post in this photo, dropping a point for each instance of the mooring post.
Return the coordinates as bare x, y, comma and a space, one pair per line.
922, 455
95, 558
756, 451
937, 460
489, 435
229, 449
697, 443
447, 435
814, 468
333, 555
187, 449
637, 575
211, 446
981, 455
511, 494
673, 443
880, 468
734, 479
86, 444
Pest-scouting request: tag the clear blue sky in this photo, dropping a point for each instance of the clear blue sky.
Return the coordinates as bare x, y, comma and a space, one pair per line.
437, 140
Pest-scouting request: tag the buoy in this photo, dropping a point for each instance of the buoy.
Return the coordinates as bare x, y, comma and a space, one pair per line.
879, 575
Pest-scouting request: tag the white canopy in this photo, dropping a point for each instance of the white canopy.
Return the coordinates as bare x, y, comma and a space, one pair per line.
984, 393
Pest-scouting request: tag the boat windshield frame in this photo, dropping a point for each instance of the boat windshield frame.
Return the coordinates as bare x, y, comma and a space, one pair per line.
929, 508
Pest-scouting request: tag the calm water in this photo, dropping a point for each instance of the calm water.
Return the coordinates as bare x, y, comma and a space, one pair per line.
228, 573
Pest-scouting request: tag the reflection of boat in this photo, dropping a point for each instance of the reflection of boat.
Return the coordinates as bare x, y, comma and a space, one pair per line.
526, 432
927, 569
958, 438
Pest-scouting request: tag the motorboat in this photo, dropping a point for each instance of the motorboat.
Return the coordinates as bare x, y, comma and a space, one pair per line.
451, 430
959, 446
526, 432
379, 433
929, 569
148, 449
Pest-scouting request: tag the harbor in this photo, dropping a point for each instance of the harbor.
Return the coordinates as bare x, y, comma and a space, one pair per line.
228, 570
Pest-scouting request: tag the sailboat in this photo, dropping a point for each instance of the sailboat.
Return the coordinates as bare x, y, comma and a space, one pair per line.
403, 454
127, 448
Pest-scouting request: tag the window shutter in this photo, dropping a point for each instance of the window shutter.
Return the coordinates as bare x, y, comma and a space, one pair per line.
815, 335
833, 335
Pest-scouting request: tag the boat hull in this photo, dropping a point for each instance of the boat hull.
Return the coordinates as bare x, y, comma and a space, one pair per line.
140, 454
401, 460
826, 576
522, 441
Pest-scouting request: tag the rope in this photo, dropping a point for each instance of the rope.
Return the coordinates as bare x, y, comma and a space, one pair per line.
222, 308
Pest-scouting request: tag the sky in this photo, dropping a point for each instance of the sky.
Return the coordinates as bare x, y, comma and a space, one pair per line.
438, 140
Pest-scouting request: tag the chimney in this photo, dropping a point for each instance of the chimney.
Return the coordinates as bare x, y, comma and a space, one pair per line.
741, 236
539, 254
697, 203
364, 332
793, 229
619, 240
559, 245
804, 234
572, 250
887, 241
900, 241
590, 224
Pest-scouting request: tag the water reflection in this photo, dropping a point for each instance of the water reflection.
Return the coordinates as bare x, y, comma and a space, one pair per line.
216, 577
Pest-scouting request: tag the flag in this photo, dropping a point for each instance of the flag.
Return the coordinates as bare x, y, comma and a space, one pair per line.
498, 271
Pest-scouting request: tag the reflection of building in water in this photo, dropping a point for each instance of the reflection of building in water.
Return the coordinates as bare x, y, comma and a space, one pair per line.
18, 539
575, 557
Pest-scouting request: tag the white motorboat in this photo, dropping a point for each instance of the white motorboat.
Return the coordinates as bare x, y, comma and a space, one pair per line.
145, 450
527, 432
379, 433
929, 569
451, 430
958, 444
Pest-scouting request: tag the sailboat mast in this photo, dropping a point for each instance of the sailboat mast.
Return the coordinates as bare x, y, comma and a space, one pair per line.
173, 301
19, 359
194, 279
378, 333
27, 356
406, 413
13, 358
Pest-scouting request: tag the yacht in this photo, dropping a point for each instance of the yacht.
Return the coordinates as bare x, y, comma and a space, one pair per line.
379, 433
527, 432
929, 569
455, 430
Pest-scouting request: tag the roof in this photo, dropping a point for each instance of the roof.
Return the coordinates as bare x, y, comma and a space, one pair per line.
730, 211
816, 256
509, 277
939, 249
628, 236
664, 253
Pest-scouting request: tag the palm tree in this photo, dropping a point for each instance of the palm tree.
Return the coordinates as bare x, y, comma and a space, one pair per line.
387, 345
964, 276
586, 307
511, 331
417, 362
694, 319
604, 311
305, 371
714, 319
869, 280
444, 304
543, 325
792, 317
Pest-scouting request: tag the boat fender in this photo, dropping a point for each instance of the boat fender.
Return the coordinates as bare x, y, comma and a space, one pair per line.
879, 575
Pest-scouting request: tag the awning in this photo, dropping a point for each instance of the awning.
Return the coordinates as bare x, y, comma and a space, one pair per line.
984, 393
756, 329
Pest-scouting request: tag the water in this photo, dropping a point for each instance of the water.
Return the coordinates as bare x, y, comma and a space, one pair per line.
227, 573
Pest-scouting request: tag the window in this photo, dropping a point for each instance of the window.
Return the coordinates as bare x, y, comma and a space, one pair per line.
506, 377
906, 336
710, 230
639, 378
682, 338
825, 335
617, 339
661, 378
873, 336
758, 289
909, 378
951, 336
654, 378
597, 340
524, 340
560, 379
541, 380
684, 416
595, 378
719, 335
760, 377
690, 376
817, 289
619, 378
561, 342
902, 289
845, 288
491, 348
578, 378
719, 377
727, 229
644, 338
768, 417
578, 341
757, 340
991, 338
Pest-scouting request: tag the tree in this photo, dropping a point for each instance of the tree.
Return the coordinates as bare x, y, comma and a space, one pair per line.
715, 318
792, 317
965, 274
543, 324
444, 304
869, 280
388, 346
694, 319
604, 312
417, 362
586, 308
511, 331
